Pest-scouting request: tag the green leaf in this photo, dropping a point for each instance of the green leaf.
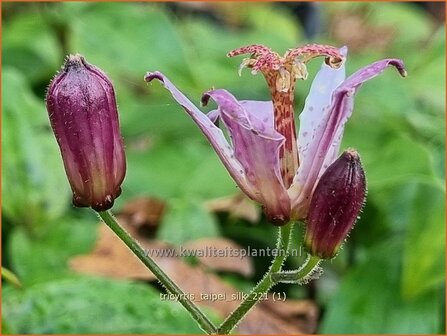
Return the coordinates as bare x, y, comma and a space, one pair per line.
177, 170
394, 203
160, 170
133, 39
369, 300
398, 160
426, 77
5, 327
209, 178
34, 184
424, 254
93, 306
10, 277
31, 46
207, 59
154, 114
186, 220
41, 258
401, 17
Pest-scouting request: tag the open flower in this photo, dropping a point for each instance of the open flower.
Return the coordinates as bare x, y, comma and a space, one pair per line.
264, 157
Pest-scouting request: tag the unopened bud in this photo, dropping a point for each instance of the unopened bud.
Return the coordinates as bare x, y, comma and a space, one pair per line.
83, 114
335, 205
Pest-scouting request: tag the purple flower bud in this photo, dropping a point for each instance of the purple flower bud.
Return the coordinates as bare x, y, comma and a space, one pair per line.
335, 205
83, 114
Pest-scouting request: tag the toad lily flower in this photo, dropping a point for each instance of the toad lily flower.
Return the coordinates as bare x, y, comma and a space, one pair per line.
264, 157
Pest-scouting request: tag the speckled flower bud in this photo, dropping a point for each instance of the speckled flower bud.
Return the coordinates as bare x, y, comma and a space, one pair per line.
83, 114
335, 205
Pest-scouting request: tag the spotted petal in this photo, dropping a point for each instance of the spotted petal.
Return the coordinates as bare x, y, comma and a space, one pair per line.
322, 125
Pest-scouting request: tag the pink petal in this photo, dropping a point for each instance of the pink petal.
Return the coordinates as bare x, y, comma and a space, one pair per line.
212, 132
256, 144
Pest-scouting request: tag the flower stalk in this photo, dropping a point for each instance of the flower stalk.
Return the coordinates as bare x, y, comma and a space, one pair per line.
303, 275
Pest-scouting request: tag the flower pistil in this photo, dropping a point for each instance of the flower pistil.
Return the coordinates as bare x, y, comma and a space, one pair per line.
281, 73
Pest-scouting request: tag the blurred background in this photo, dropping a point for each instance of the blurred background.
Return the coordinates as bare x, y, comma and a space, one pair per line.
66, 273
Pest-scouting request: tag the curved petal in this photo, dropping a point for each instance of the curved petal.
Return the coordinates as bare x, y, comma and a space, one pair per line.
315, 115
261, 112
326, 132
313, 123
212, 133
256, 146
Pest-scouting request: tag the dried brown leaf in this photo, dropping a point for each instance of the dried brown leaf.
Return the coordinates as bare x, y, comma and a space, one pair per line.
238, 206
353, 29
144, 213
303, 313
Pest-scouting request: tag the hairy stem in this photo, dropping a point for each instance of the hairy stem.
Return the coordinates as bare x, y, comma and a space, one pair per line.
300, 276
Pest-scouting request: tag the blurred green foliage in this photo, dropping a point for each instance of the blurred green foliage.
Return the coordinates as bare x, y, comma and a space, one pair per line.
105, 306
389, 278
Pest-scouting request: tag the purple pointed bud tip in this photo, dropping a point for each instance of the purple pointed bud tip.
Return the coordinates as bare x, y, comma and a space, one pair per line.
74, 61
83, 114
153, 75
399, 64
205, 98
351, 155
335, 205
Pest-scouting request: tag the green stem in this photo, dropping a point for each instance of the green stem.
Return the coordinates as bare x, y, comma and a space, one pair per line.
299, 276
170, 285
264, 285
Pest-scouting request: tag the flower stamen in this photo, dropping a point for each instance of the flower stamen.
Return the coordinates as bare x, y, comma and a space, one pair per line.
283, 81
